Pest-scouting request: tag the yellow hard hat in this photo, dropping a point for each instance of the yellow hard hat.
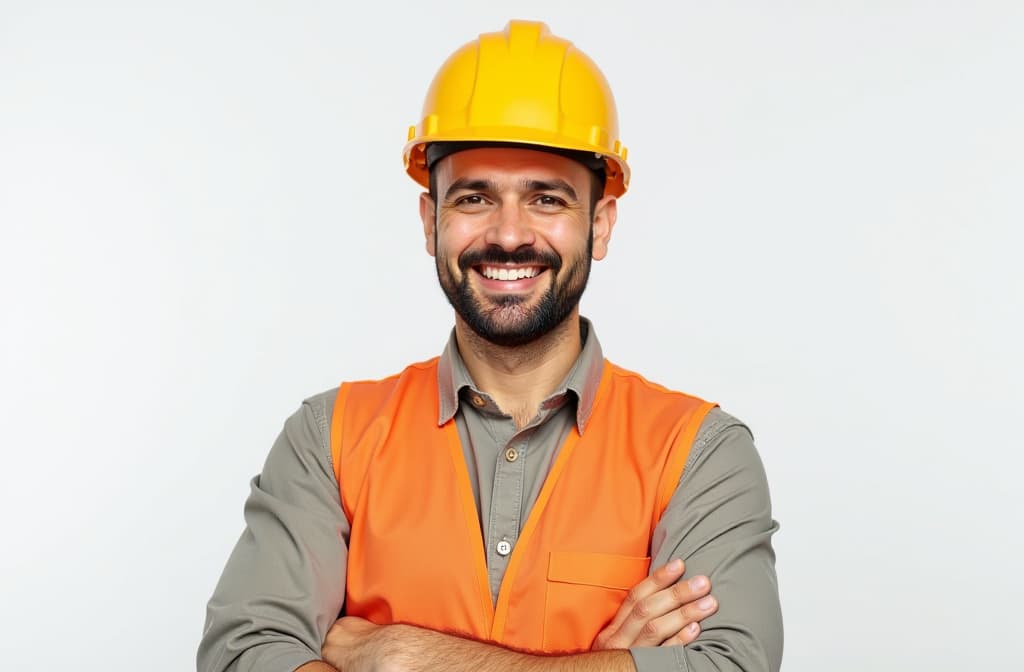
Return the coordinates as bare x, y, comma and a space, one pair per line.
522, 86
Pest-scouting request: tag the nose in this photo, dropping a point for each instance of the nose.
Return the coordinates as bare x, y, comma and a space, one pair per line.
510, 228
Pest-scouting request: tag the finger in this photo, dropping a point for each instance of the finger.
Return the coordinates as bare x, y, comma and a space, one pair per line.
663, 627
685, 636
661, 578
642, 626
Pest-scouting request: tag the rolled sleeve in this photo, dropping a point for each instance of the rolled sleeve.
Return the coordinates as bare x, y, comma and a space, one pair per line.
720, 522
284, 583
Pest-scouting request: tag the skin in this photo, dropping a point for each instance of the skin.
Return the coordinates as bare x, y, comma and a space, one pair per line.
508, 201
509, 215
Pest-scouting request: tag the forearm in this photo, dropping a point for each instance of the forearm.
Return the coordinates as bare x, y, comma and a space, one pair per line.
440, 651
406, 648
316, 666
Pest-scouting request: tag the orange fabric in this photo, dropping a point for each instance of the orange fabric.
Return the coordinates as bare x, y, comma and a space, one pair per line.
416, 554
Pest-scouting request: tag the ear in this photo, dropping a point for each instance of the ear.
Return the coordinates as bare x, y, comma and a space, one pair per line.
428, 215
605, 212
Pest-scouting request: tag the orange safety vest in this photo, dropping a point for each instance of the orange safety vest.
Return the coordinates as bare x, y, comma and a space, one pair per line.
416, 553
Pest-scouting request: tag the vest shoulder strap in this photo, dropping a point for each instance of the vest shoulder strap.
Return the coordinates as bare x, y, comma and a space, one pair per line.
686, 411
358, 409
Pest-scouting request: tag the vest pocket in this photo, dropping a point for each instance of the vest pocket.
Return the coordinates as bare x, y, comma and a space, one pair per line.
583, 592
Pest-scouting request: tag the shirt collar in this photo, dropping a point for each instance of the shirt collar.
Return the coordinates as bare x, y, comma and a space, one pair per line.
582, 380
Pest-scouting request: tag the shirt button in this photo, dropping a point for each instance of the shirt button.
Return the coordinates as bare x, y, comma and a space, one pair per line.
478, 401
511, 454
504, 547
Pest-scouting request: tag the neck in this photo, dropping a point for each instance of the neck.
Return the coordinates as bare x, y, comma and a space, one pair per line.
519, 378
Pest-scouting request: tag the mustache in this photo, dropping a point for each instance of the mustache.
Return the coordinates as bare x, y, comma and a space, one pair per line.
496, 256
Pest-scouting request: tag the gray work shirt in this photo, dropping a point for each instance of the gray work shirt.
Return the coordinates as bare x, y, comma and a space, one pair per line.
284, 584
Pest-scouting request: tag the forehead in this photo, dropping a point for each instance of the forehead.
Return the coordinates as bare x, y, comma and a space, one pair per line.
502, 164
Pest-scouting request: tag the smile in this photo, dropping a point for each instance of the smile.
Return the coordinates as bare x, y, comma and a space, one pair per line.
507, 273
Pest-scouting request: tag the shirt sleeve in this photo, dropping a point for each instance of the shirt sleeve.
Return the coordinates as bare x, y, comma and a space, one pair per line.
720, 522
284, 584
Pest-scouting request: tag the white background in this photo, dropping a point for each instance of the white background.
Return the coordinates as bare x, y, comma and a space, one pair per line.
204, 219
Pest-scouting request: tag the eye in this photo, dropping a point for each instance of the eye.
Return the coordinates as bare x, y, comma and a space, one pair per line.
549, 201
471, 201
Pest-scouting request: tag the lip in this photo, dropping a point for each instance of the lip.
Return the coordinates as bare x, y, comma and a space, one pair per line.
509, 286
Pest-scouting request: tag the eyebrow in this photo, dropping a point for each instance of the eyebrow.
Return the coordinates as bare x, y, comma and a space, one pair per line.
472, 184
551, 185
469, 184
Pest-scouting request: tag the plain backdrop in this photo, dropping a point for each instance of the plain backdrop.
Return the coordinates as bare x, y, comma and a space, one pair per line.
204, 219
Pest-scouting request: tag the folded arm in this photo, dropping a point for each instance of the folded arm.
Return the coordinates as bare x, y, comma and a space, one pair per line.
656, 612
284, 584
356, 645
720, 522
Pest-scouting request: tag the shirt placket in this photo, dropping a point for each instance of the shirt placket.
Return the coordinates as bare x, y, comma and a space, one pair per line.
506, 506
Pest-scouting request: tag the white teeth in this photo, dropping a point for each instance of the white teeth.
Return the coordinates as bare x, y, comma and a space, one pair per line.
503, 273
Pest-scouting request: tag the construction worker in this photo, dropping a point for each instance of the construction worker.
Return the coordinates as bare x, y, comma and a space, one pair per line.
518, 503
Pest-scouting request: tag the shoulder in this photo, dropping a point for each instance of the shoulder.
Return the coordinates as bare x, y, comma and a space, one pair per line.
717, 430
631, 383
638, 381
320, 407
417, 371
716, 423
723, 444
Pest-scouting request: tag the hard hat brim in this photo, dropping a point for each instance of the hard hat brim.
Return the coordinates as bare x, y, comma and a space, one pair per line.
418, 166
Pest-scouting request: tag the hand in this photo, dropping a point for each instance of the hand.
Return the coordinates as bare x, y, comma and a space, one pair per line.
661, 610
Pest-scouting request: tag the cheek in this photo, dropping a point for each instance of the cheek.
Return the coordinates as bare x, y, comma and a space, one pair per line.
566, 233
570, 244
453, 238
448, 256
453, 245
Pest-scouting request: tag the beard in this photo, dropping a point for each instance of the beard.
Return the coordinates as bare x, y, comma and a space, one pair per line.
508, 320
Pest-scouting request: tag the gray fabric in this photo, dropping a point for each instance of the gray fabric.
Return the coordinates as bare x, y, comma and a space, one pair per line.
283, 585
720, 522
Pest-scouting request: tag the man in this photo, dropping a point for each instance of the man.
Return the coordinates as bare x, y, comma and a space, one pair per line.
518, 503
